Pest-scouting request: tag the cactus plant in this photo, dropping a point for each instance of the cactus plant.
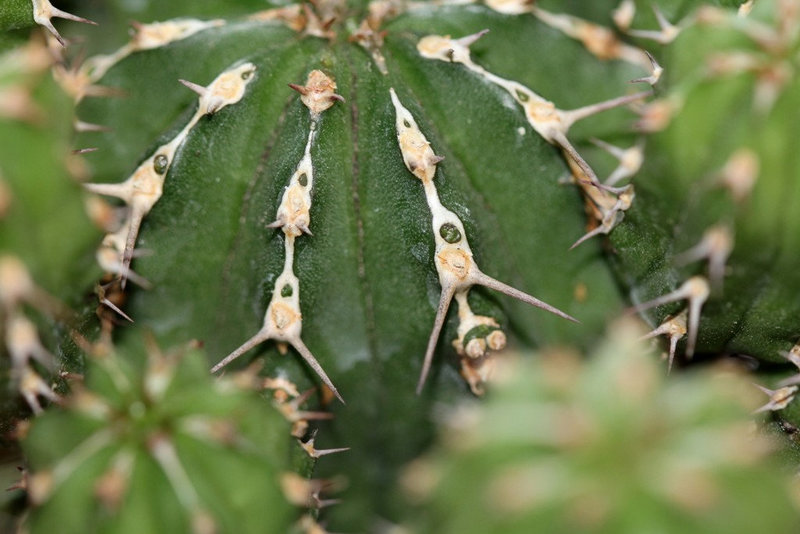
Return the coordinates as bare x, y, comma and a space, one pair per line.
312, 185
128, 453
556, 449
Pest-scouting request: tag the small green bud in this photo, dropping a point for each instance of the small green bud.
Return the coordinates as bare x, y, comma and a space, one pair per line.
450, 233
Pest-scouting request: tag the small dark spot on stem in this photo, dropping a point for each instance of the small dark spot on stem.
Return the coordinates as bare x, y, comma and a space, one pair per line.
450, 233
160, 163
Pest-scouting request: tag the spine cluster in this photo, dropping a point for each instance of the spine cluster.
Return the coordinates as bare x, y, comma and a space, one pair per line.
283, 321
143, 189
454, 262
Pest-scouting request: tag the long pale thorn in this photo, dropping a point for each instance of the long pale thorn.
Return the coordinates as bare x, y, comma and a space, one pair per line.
441, 313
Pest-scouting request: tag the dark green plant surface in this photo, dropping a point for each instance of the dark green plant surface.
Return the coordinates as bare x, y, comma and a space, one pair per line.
16, 14
369, 286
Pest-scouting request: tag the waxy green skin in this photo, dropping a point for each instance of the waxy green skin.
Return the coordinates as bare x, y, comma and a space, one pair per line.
367, 281
16, 14
368, 284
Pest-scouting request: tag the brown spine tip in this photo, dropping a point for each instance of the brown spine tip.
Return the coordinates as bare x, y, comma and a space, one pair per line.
299, 88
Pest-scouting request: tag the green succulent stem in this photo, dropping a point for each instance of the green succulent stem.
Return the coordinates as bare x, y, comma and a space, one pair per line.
314, 182
15, 14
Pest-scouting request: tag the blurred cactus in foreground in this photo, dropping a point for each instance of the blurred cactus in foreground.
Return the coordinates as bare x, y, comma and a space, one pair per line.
158, 446
610, 445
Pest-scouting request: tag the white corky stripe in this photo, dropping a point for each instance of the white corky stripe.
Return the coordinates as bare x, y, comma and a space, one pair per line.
453, 257
142, 190
551, 123
147, 37
283, 321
